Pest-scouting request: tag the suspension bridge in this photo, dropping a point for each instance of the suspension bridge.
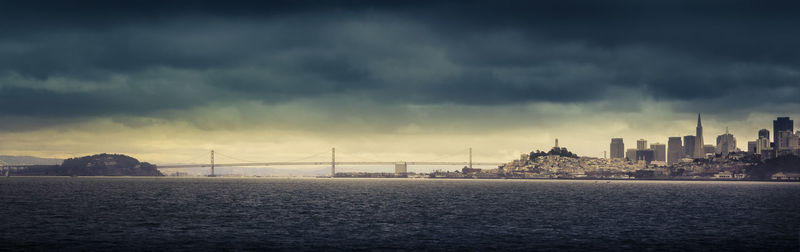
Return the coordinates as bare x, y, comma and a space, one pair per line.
400, 166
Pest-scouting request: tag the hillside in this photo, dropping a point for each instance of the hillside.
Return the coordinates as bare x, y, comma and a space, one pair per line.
96, 165
763, 171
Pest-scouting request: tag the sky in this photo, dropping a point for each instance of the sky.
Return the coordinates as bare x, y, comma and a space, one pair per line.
167, 82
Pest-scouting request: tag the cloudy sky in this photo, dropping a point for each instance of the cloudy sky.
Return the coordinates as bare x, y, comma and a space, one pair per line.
404, 80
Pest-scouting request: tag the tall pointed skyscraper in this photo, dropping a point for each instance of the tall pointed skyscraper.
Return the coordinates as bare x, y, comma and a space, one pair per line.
698, 142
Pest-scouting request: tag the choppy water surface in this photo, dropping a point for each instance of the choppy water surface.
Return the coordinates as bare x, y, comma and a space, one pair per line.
389, 214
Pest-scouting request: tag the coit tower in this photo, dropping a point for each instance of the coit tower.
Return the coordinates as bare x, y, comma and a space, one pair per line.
699, 152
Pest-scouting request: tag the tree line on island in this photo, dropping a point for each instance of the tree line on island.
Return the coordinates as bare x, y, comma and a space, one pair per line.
555, 151
95, 165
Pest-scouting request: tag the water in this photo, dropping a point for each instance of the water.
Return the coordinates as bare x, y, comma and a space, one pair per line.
395, 214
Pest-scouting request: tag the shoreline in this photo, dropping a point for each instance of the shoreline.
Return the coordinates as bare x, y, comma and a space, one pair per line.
342, 178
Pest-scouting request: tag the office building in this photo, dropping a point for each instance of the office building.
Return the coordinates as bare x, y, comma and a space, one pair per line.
726, 143
782, 124
617, 148
786, 143
641, 144
779, 125
674, 150
659, 151
751, 147
698, 141
630, 154
762, 145
688, 146
645, 155
763, 133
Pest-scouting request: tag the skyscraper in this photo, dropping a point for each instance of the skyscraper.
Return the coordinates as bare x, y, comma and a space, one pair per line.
674, 150
630, 154
688, 146
641, 144
726, 143
698, 142
660, 151
617, 148
645, 155
763, 133
785, 141
762, 145
781, 124
794, 142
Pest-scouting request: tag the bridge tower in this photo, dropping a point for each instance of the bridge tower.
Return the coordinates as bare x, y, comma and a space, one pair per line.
212, 163
470, 157
333, 162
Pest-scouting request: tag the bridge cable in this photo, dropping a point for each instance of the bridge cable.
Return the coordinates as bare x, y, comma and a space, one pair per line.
357, 158
238, 159
308, 157
191, 159
450, 155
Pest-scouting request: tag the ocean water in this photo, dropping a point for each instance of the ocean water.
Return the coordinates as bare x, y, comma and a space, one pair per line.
395, 214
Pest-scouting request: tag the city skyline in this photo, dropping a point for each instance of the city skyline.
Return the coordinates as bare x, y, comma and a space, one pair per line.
414, 125
647, 143
165, 82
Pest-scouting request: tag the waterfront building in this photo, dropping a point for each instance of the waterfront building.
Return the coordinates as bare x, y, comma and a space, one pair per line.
617, 148
659, 151
785, 176
726, 143
641, 144
674, 150
698, 142
688, 146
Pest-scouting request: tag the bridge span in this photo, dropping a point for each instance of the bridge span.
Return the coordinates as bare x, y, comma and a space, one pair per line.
400, 166
171, 166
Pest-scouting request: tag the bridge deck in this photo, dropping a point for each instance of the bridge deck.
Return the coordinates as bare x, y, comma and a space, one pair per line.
171, 166
317, 163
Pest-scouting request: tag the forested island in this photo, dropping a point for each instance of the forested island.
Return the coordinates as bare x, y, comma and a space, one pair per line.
95, 165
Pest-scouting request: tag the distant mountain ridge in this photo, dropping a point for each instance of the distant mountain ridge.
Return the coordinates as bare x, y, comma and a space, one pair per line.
30, 160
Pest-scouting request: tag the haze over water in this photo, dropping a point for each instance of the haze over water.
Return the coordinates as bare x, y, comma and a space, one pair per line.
387, 214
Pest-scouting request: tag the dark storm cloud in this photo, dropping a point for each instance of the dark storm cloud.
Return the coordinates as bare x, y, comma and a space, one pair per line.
757, 30
84, 58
